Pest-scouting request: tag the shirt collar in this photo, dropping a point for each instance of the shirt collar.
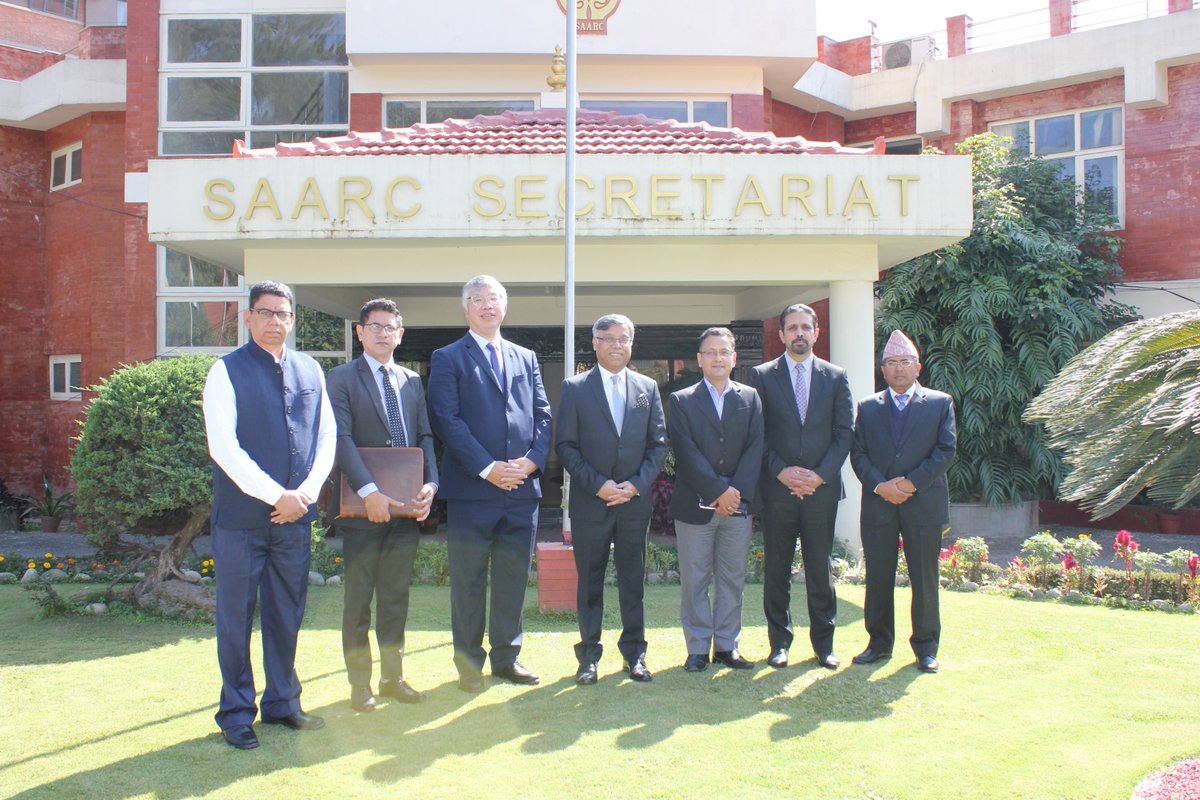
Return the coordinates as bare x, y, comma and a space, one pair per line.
375, 365
806, 363
910, 394
712, 390
610, 375
483, 343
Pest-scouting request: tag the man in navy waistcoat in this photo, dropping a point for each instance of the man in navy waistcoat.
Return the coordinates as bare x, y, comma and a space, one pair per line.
272, 438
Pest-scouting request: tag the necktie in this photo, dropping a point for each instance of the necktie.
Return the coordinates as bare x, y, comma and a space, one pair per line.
801, 392
392, 403
901, 401
496, 364
617, 403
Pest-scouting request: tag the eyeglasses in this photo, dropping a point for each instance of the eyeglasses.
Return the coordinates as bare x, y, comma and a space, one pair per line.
491, 299
375, 327
609, 341
265, 314
900, 362
717, 353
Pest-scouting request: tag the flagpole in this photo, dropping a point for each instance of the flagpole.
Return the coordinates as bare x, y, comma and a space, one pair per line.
571, 16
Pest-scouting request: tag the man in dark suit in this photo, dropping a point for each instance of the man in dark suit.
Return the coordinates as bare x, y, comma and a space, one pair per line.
717, 432
809, 413
612, 442
378, 403
904, 441
488, 406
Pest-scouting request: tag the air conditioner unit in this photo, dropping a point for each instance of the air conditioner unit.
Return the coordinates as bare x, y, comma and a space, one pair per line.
916, 50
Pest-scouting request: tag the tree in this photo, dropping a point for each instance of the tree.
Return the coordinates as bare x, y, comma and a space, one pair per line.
141, 464
1126, 413
996, 315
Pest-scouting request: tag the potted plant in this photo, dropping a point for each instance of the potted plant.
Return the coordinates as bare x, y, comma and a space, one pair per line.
50, 507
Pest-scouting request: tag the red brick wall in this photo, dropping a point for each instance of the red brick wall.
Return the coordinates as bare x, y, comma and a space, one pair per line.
16, 65
892, 125
747, 112
787, 120
853, 57
33, 29
103, 42
366, 112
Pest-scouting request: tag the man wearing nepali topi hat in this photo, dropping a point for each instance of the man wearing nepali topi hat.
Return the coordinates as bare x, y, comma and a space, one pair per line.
904, 441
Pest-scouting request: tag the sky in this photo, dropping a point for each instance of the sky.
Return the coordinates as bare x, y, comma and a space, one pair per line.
847, 19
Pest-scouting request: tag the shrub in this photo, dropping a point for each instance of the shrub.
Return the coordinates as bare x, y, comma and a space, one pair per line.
1043, 554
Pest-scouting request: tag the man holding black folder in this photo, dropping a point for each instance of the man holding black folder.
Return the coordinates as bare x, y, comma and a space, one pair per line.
378, 403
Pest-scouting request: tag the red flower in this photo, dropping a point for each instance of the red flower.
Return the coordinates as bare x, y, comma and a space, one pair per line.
1122, 540
1193, 563
1069, 562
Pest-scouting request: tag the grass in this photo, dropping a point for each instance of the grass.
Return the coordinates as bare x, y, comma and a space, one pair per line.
1034, 700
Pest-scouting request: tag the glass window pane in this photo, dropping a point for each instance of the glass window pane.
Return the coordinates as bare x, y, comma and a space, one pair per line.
1054, 135
318, 331
203, 324
300, 98
58, 171
442, 110
199, 143
655, 109
403, 113
299, 40
187, 271
1066, 168
1018, 131
904, 147
58, 377
77, 164
204, 41
75, 376
204, 99
713, 112
1100, 128
272, 138
1100, 182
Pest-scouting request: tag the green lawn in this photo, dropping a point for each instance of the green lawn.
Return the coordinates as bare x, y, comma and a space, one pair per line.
1033, 701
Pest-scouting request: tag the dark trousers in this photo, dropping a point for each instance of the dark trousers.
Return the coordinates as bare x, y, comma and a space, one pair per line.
378, 563
500, 533
269, 565
592, 540
922, 545
811, 521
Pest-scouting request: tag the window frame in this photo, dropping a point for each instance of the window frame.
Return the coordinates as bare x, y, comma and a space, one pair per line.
424, 100
65, 153
690, 99
66, 361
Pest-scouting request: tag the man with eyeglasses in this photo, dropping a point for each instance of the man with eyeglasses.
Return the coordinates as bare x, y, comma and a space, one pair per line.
716, 429
378, 403
904, 441
489, 408
271, 435
612, 442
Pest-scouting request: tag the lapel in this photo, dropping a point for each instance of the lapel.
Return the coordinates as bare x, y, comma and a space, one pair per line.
370, 385
511, 363
481, 358
595, 383
784, 376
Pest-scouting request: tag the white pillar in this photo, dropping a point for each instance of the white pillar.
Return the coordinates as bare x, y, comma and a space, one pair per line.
852, 347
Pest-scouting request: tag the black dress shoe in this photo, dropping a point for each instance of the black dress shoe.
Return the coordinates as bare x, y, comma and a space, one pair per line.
828, 660
927, 664
778, 658
586, 675
696, 662
240, 736
732, 659
638, 671
399, 690
870, 656
297, 721
515, 673
361, 698
471, 683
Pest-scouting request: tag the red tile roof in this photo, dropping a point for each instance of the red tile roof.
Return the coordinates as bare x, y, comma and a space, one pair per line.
543, 131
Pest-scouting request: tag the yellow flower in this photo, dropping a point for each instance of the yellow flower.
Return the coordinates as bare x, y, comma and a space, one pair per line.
49, 555
46, 565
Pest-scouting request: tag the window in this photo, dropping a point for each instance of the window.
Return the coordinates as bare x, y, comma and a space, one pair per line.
907, 146
60, 8
262, 78
406, 113
66, 166
1087, 146
323, 336
199, 304
66, 377
714, 112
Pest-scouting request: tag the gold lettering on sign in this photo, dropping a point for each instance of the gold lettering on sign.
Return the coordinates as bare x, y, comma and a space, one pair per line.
359, 198
904, 180
520, 195
829, 195
484, 194
610, 194
562, 195
262, 197
656, 194
708, 181
389, 198
756, 199
786, 194
224, 203
310, 197
860, 195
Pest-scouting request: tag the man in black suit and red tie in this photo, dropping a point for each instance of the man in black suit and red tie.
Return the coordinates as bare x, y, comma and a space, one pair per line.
904, 441
612, 442
378, 403
809, 415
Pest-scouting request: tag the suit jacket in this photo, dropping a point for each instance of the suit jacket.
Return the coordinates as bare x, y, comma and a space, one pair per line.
822, 442
591, 451
479, 421
713, 454
923, 455
362, 422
